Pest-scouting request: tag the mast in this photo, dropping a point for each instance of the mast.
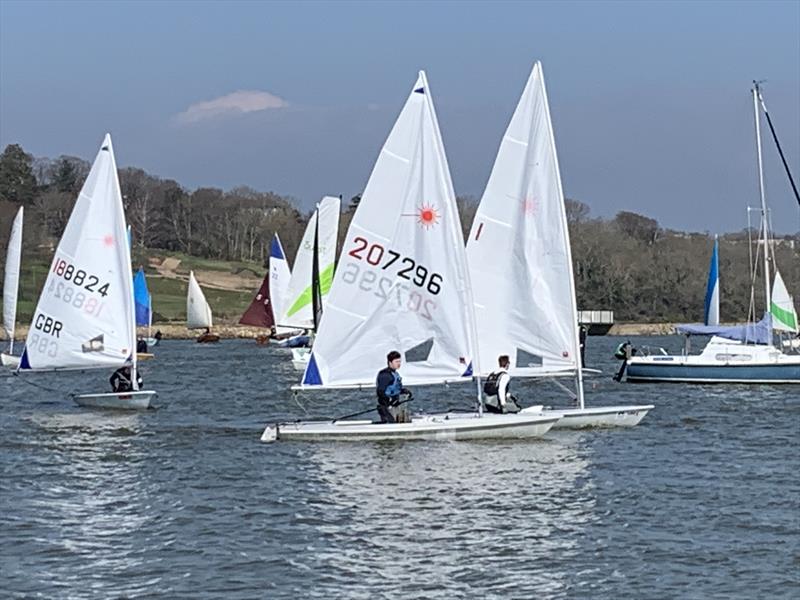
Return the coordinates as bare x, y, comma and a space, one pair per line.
316, 292
472, 326
765, 227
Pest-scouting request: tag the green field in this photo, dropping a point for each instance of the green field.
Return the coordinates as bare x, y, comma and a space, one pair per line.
169, 295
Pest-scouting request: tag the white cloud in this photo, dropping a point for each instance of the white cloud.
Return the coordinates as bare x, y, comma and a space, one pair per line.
240, 102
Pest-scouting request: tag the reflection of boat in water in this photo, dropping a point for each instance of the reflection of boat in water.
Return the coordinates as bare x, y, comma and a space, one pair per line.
485, 510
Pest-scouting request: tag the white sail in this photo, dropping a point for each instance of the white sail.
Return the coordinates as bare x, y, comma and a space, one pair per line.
198, 312
297, 311
401, 283
11, 282
85, 314
519, 253
784, 315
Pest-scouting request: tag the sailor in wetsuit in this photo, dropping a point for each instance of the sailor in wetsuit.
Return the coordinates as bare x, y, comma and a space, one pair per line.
389, 386
122, 380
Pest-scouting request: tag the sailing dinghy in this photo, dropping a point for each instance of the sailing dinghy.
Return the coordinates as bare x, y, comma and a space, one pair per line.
85, 318
11, 289
402, 284
319, 240
520, 264
142, 302
260, 312
198, 312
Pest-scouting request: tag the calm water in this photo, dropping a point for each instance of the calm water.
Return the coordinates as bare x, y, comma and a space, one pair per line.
701, 500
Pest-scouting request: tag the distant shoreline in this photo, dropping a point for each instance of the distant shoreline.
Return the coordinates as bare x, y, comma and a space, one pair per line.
178, 331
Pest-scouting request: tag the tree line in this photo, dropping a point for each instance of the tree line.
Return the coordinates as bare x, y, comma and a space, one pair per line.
627, 264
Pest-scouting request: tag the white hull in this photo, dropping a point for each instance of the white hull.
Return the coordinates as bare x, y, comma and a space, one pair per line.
9, 360
301, 358
602, 416
125, 401
444, 427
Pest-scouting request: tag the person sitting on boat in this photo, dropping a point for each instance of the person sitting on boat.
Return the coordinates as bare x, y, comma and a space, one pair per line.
157, 336
389, 387
141, 346
122, 380
499, 398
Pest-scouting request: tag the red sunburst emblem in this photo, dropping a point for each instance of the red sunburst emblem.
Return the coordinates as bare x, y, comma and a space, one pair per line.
529, 205
427, 216
108, 240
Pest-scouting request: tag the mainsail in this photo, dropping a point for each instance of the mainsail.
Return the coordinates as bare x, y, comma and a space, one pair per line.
198, 312
142, 300
280, 275
298, 310
711, 313
402, 282
519, 252
11, 281
259, 313
85, 314
784, 315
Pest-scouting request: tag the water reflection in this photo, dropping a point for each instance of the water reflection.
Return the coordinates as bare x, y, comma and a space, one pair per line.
478, 517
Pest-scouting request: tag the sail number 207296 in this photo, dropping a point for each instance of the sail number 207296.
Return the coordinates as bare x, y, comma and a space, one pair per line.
370, 277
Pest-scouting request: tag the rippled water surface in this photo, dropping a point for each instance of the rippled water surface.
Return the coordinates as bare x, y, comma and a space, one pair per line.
701, 500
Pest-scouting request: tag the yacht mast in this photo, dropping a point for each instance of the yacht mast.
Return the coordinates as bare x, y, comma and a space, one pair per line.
764, 220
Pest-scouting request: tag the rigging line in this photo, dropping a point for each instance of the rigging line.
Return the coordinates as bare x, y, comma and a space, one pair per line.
41, 387
778, 145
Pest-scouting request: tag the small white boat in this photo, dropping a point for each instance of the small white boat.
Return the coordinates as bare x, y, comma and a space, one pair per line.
445, 426
134, 400
520, 264
85, 317
300, 358
9, 360
198, 312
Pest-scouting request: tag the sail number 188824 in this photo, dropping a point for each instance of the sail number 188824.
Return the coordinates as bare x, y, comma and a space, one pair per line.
79, 277
407, 268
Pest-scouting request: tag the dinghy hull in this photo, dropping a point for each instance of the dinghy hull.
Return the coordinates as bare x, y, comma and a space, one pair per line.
603, 416
444, 427
9, 360
139, 400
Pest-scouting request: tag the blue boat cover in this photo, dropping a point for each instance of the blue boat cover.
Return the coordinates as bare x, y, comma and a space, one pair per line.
141, 298
752, 333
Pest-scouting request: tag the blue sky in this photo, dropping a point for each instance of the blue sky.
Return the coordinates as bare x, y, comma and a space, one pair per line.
650, 101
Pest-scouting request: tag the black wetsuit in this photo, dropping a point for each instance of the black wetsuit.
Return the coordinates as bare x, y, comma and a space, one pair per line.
121, 380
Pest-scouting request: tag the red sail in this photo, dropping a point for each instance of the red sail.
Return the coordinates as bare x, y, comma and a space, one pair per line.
259, 314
